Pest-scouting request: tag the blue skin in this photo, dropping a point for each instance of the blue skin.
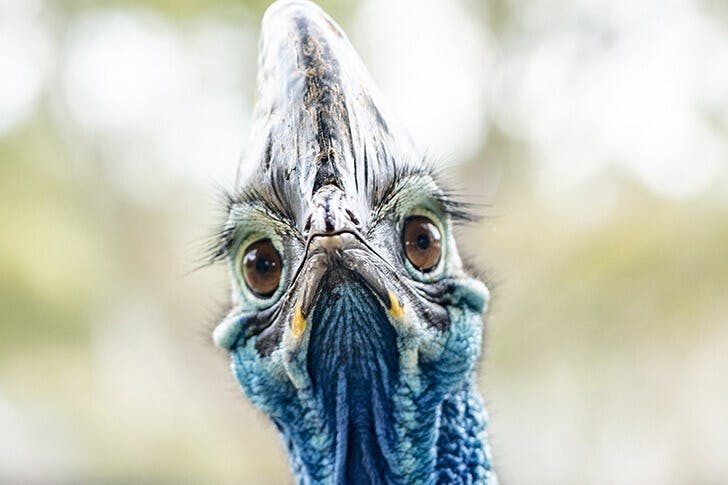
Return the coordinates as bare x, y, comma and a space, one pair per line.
362, 401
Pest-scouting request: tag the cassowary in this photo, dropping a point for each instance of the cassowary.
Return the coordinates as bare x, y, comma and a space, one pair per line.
354, 325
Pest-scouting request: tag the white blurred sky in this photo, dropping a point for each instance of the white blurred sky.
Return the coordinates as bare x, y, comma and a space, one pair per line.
589, 84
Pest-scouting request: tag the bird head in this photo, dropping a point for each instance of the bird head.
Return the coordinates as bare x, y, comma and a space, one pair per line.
347, 287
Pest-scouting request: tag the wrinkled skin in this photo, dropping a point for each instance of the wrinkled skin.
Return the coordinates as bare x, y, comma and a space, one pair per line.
362, 361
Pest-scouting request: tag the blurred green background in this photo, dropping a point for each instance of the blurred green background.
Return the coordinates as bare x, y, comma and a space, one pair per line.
592, 134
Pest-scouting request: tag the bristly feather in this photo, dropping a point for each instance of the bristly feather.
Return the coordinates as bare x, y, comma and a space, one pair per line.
452, 199
220, 244
447, 199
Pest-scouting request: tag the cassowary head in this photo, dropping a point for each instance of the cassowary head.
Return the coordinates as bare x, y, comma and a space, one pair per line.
353, 325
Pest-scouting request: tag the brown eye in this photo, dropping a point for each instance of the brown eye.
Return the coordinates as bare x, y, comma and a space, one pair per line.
422, 243
262, 268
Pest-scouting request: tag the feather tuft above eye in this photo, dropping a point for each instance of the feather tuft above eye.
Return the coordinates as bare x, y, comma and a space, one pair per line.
238, 204
418, 179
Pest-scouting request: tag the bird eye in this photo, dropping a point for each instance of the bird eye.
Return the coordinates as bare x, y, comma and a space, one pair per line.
261, 267
422, 243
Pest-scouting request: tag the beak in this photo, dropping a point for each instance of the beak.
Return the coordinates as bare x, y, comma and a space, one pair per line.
348, 251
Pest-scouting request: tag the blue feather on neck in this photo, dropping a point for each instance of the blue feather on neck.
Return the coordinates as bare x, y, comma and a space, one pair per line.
353, 364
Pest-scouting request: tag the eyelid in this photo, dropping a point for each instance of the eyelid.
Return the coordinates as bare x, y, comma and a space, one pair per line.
423, 203
424, 211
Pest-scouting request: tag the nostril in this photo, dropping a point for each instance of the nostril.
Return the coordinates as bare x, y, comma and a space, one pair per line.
352, 217
307, 226
330, 222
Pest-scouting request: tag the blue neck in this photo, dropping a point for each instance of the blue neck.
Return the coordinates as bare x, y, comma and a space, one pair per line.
450, 447
462, 444
370, 414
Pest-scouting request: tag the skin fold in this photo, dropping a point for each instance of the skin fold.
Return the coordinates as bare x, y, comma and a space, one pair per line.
364, 362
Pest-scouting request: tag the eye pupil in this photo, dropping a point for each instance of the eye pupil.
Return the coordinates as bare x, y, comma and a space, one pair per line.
261, 268
422, 243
